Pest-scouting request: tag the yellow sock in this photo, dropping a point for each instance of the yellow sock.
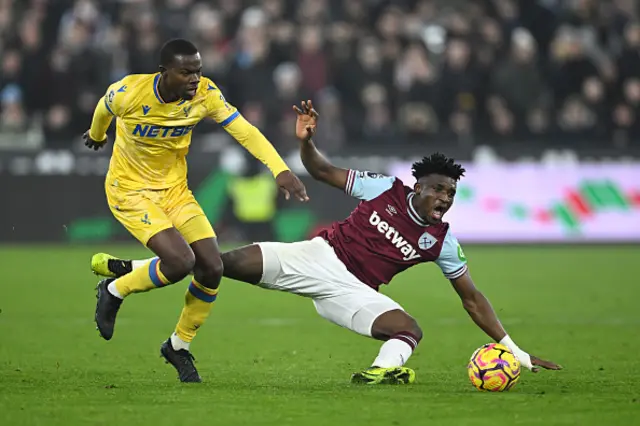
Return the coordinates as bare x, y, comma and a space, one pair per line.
197, 304
142, 279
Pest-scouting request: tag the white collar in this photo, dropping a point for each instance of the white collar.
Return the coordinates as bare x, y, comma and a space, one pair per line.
413, 214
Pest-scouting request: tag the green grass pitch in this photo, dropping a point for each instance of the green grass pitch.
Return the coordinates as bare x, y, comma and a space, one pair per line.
268, 359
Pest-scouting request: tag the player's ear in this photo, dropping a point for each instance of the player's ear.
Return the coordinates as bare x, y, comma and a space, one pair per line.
163, 70
417, 188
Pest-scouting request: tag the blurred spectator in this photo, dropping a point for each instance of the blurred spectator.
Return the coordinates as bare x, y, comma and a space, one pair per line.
537, 123
629, 59
312, 59
13, 119
625, 125
460, 83
287, 79
518, 79
575, 119
381, 72
333, 135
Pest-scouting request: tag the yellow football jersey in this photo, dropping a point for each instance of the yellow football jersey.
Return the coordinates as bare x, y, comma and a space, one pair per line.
153, 136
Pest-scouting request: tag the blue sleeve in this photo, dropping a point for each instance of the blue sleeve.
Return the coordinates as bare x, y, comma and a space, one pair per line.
367, 185
452, 261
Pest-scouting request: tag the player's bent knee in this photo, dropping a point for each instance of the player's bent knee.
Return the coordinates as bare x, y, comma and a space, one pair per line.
415, 330
243, 264
232, 261
406, 323
209, 272
216, 268
395, 322
180, 263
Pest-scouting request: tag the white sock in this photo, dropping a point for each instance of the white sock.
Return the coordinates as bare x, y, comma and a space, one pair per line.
178, 343
113, 290
393, 353
135, 264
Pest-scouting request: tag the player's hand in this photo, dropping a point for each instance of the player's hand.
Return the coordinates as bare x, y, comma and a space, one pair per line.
306, 121
547, 365
533, 363
91, 144
290, 184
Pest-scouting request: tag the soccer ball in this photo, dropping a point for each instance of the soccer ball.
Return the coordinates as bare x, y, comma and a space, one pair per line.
493, 368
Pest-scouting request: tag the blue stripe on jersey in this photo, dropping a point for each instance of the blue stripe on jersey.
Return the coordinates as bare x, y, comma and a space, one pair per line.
155, 88
230, 119
107, 105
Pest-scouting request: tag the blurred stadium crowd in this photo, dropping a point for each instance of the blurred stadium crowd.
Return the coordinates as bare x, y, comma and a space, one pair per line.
379, 71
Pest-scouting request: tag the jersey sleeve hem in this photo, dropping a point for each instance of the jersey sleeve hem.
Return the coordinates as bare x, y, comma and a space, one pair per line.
457, 274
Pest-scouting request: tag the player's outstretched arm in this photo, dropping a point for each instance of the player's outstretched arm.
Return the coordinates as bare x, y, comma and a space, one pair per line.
315, 163
482, 313
96, 137
254, 141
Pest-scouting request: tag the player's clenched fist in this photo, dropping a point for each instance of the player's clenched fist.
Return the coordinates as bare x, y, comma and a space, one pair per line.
306, 121
90, 143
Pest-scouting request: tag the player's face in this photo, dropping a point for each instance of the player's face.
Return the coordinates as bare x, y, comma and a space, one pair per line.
434, 197
184, 75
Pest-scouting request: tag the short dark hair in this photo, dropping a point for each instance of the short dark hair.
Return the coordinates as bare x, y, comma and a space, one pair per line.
437, 164
176, 47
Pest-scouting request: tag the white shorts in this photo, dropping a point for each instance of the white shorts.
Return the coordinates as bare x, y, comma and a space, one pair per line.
312, 269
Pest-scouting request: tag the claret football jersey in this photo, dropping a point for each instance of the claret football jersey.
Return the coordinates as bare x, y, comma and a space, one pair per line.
384, 235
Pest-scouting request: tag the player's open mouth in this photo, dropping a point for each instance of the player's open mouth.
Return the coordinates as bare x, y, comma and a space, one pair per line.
438, 212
